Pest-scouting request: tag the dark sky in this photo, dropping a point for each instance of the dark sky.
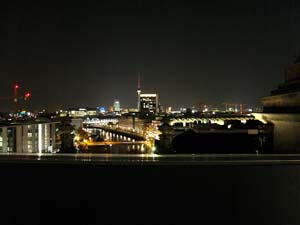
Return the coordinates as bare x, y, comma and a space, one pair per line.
89, 53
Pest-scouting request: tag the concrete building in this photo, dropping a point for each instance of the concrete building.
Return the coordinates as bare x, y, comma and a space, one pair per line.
286, 133
286, 98
282, 109
27, 138
132, 123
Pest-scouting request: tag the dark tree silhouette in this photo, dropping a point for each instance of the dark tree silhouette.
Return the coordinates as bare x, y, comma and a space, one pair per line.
66, 134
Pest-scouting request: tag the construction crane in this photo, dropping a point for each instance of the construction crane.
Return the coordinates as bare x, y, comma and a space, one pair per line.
16, 97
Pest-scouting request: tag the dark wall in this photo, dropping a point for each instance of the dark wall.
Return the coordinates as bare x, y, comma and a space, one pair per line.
141, 194
192, 142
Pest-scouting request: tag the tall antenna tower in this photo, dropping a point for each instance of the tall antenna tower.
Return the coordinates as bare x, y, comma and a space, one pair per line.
139, 91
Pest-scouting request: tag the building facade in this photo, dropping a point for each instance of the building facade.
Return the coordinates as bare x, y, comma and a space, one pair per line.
82, 112
27, 138
282, 109
286, 98
148, 104
117, 107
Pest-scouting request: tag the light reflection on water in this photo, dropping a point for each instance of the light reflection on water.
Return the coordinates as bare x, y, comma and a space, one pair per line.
133, 148
120, 149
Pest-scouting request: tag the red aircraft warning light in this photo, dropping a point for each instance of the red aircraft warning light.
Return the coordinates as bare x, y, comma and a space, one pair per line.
27, 95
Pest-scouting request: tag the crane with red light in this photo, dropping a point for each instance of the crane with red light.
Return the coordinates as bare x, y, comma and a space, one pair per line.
16, 97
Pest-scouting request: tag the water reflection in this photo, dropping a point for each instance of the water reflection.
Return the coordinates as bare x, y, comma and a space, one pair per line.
120, 149
131, 148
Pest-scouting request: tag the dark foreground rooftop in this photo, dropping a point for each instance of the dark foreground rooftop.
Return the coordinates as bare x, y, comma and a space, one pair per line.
150, 189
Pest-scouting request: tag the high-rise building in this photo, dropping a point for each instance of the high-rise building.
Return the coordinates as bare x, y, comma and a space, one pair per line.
117, 107
148, 104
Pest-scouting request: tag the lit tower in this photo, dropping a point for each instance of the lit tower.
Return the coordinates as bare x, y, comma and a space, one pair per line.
139, 92
16, 88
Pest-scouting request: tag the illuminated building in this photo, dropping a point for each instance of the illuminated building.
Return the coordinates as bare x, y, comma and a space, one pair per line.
117, 107
92, 112
130, 123
169, 110
148, 104
101, 109
63, 113
82, 112
27, 138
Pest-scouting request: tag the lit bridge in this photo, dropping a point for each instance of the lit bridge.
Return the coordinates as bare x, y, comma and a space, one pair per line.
105, 143
127, 133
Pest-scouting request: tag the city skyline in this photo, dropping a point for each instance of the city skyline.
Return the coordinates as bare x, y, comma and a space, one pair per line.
23, 105
187, 53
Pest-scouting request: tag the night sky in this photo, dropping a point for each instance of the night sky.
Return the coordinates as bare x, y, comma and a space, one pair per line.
89, 54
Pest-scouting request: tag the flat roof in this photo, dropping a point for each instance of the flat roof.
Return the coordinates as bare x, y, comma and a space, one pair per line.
148, 95
12, 124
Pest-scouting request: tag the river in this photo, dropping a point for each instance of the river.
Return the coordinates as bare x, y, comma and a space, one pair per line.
119, 148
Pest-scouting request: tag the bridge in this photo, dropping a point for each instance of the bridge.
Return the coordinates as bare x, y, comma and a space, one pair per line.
105, 143
127, 133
